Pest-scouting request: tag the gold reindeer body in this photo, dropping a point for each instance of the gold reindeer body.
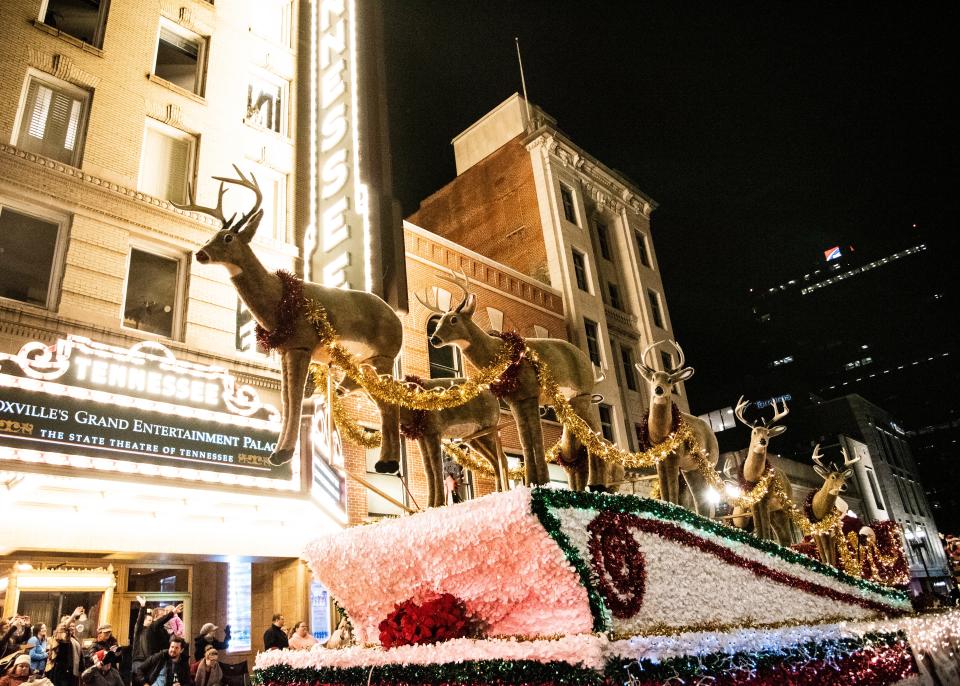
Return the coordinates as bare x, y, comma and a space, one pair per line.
570, 367
769, 515
366, 325
660, 426
827, 499
478, 415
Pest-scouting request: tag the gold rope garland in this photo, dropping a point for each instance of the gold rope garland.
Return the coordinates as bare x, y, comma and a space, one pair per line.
351, 431
389, 390
467, 459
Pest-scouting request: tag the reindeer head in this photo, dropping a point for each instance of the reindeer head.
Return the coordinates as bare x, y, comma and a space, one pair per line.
834, 479
661, 383
761, 431
455, 326
230, 246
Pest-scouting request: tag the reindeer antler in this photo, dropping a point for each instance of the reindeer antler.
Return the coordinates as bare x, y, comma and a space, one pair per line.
820, 468
460, 281
425, 301
250, 184
742, 406
643, 358
846, 458
777, 413
682, 358
192, 206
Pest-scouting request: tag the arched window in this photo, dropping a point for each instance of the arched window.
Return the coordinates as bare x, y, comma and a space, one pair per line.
445, 362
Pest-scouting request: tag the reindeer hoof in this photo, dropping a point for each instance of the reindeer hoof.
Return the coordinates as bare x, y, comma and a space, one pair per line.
598, 488
280, 457
387, 467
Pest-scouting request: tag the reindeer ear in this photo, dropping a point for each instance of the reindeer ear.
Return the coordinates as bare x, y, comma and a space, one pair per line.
823, 473
645, 372
776, 431
247, 231
682, 375
468, 306
847, 473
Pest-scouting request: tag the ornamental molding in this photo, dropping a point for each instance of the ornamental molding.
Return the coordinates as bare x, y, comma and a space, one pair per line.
98, 195
61, 67
187, 17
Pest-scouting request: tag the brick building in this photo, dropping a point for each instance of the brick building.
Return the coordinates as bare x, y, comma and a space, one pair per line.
584, 229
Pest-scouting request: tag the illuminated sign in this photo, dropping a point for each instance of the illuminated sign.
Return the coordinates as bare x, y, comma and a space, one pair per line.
337, 243
832, 253
80, 403
760, 404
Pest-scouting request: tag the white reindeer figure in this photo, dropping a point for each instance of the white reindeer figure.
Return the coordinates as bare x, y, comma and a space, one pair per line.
366, 325
660, 424
768, 515
570, 366
480, 415
828, 499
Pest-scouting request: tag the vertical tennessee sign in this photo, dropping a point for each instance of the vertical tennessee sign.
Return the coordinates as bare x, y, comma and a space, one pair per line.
337, 243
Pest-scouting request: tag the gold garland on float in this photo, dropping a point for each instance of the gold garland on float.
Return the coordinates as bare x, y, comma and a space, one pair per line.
353, 432
829, 523
468, 460
745, 500
389, 390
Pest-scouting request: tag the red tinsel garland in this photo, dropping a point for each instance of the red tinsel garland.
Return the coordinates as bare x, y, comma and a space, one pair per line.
436, 620
509, 381
614, 554
290, 305
417, 426
643, 428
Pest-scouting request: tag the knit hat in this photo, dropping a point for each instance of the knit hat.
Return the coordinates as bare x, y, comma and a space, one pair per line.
23, 659
103, 628
208, 628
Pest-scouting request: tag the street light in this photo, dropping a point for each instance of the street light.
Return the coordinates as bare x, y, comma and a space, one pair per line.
916, 541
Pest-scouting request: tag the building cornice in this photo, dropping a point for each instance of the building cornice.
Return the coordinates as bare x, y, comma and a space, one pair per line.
608, 187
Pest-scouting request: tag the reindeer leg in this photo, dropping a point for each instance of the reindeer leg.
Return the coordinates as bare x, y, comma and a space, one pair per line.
781, 524
761, 520
698, 490
527, 415
294, 364
432, 458
389, 461
487, 447
668, 471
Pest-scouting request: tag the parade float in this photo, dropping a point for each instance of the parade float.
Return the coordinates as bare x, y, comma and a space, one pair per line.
539, 586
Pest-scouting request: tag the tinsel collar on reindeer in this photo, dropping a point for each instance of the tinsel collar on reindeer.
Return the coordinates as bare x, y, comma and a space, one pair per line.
291, 302
509, 381
417, 426
643, 428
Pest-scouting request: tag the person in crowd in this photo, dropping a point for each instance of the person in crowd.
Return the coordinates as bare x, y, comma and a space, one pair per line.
275, 638
38, 648
301, 638
139, 646
175, 627
105, 641
105, 670
208, 637
10, 630
19, 673
208, 671
158, 639
165, 667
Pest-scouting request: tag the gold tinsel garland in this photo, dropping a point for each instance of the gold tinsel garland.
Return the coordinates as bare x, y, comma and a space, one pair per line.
468, 460
825, 525
389, 390
746, 500
351, 431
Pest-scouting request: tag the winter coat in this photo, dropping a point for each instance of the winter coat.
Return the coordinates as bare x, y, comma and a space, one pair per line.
200, 644
95, 677
149, 670
208, 676
274, 637
38, 654
157, 637
140, 646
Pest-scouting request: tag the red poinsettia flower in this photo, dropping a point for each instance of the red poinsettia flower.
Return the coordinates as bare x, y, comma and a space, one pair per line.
439, 619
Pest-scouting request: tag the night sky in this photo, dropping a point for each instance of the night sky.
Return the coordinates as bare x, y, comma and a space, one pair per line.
766, 132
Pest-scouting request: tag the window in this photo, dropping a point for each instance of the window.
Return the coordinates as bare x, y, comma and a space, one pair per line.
580, 270
642, 249
152, 301
655, 312
604, 241
158, 580
239, 583
180, 57
875, 489
606, 421
28, 257
445, 362
593, 344
566, 197
53, 121
666, 359
270, 19
626, 355
266, 104
82, 19
166, 164
390, 484
615, 300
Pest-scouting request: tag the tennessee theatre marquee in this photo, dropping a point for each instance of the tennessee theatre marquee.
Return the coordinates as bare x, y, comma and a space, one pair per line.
135, 410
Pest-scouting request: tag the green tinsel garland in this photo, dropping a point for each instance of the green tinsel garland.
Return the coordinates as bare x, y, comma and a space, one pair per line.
543, 499
623, 669
598, 608
493, 672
